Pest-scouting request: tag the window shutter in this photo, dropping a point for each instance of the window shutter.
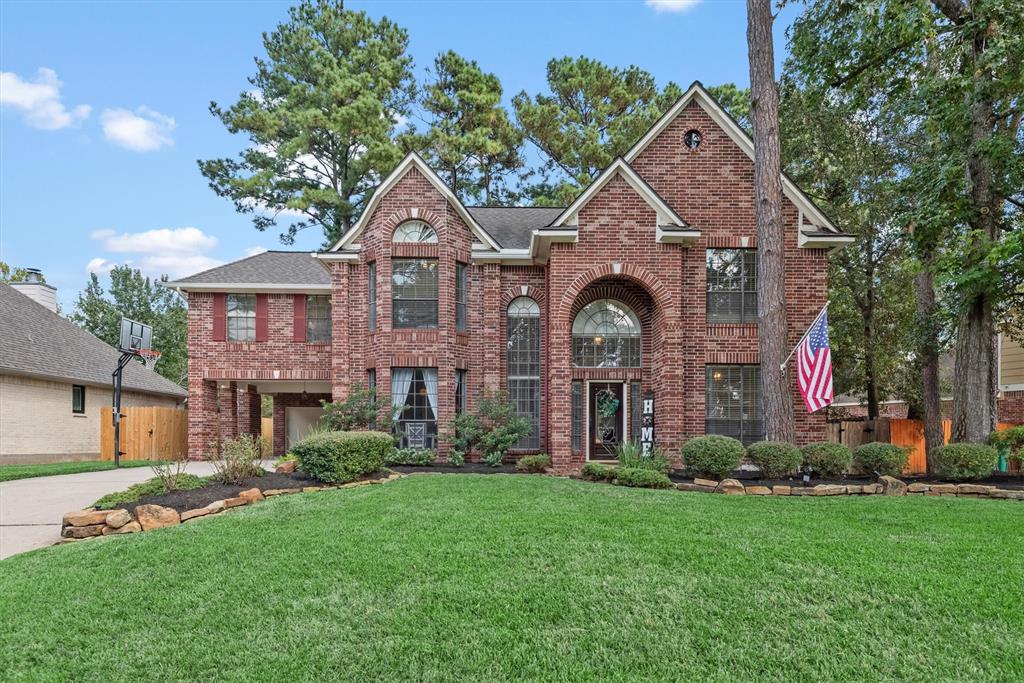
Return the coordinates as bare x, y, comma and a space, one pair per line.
261, 317
220, 326
299, 321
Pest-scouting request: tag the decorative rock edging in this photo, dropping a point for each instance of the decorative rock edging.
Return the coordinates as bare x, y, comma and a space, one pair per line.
81, 525
886, 486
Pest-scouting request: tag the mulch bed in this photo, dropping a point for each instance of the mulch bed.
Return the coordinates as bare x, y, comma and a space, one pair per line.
201, 497
468, 468
1012, 481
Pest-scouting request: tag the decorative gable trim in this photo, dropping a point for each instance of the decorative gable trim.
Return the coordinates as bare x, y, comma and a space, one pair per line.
666, 216
412, 160
818, 221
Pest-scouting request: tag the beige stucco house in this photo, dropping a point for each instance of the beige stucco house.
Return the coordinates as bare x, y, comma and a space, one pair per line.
55, 377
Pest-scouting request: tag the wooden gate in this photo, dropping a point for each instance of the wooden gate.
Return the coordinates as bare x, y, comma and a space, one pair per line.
147, 433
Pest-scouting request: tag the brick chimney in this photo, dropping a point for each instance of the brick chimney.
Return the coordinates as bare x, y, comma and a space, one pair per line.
34, 288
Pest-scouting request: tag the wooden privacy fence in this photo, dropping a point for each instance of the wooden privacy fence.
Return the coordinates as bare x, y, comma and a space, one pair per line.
147, 433
267, 427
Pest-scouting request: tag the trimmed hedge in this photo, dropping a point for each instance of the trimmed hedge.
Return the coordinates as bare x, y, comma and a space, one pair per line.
884, 458
412, 456
534, 463
712, 455
340, 457
595, 471
965, 460
774, 458
826, 458
641, 478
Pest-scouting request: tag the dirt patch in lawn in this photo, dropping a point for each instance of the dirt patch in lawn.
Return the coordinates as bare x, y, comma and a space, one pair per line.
1012, 481
468, 468
201, 497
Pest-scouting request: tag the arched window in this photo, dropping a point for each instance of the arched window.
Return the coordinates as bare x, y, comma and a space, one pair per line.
606, 334
523, 363
416, 232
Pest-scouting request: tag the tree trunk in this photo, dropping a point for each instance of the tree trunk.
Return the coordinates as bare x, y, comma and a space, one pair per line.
931, 401
870, 360
776, 395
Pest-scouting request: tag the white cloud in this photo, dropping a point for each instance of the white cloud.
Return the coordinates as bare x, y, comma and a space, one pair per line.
671, 5
39, 101
175, 252
142, 130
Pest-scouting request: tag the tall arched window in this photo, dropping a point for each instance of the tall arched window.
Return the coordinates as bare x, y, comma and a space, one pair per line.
523, 358
606, 334
416, 232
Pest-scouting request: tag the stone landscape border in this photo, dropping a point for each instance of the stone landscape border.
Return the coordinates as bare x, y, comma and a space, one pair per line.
886, 486
81, 525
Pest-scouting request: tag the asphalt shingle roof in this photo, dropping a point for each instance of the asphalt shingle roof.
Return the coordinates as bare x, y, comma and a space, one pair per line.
36, 341
278, 267
511, 226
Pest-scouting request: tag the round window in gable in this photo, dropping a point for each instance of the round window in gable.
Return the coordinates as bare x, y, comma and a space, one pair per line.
692, 139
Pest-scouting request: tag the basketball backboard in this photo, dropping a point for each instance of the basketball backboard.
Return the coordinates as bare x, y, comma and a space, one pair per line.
135, 336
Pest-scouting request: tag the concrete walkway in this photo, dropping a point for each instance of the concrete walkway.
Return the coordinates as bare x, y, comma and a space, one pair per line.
31, 509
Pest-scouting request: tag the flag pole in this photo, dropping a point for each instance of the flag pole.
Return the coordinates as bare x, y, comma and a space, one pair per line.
811, 327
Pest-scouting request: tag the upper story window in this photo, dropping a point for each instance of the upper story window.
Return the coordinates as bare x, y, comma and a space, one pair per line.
523, 364
318, 319
371, 296
732, 285
415, 232
460, 297
414, 293
241, 317
606, 334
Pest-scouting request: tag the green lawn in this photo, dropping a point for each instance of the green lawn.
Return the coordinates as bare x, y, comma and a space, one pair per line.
12, 472
524, 577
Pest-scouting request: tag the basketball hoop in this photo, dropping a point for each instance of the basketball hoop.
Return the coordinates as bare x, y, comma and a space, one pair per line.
149, 357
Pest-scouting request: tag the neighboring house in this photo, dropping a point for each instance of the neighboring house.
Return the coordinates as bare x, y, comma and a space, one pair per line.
644, 286
55, 377
1011, 380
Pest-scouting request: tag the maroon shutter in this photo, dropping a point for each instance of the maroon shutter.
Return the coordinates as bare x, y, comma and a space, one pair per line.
220, 312
261, 317
299, 321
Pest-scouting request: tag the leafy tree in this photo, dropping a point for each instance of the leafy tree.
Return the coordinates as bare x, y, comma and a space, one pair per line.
593, 114
320, 120
736, 101
136, 297
953, 73
493, 429
8, 274
359, 410
470, 141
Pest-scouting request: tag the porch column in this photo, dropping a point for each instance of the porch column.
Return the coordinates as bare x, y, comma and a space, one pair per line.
228, 396
279, 427
249, 411
202, 418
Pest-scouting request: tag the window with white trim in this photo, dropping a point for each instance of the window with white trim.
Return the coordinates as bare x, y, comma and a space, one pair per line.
241, 317
606, 334
414, 398
460, 297
318, 319
732, 402
371, 295
414, 232
414, 285
523, 364
732, 285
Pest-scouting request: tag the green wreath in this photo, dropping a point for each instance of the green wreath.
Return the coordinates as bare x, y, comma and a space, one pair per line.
607, 404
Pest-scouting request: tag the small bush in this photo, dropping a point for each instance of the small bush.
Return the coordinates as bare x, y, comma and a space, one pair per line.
359, 410
774, 458
534, 463
965, 460
595, 471
169, 473
340, 457
287, 457
641, 478
630, 454
456, 458
150, 487
412, 456
826, 459
883, 458
712, 455
1012, 440
239, 459
493, 429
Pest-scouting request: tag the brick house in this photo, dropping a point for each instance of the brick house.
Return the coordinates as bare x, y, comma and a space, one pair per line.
644, 286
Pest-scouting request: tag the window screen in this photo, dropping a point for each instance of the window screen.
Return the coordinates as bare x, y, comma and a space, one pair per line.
577, 416
371, 295
460, 297
523, 364
732, 285
318, 319
732, 403
414, 293
241, 316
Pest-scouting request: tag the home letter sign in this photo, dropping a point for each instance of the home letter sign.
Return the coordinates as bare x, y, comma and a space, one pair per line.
647, 425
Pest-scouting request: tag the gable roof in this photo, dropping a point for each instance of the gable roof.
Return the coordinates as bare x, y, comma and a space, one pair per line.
37, 342
820, 223
284, 269
412, 160
512, 226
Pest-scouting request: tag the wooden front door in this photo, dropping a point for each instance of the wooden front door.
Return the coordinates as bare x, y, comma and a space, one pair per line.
607, 413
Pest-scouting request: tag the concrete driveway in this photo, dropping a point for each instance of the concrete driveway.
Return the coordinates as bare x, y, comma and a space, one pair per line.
31, 509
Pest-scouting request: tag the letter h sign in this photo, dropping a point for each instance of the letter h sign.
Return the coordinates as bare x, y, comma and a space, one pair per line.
647, 425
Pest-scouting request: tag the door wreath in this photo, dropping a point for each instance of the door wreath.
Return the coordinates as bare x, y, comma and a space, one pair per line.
607, 403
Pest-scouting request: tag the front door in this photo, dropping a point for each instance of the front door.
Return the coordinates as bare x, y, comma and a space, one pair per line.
606, 419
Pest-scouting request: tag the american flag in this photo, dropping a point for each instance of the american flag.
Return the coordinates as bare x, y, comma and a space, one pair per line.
814, 365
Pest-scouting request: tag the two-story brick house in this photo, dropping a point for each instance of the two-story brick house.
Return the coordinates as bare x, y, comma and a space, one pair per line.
645, 285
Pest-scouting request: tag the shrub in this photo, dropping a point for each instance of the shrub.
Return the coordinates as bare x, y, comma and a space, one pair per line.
169, 473
493, 429
641, 478
287, 457
534, 463
339, 457
239, 459
630, 454
412, 456
826, 458
150, 487
883, 458
456, 458
774, 458
712, 455
1011, 439
595, 471
965, 460
357, 411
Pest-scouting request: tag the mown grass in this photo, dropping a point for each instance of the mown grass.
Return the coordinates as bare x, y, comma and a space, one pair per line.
464, 577
12, 472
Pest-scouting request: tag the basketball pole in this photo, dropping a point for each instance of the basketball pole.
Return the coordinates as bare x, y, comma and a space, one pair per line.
126, 358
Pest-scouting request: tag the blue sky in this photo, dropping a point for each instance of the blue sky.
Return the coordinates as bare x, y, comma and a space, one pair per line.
104, 108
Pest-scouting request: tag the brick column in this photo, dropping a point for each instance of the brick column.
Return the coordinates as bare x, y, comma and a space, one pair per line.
341, 305
202, 418
279, 427
249, 409
228, 398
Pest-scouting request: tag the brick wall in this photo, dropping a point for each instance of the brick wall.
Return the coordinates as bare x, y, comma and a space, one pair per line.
1011, 407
